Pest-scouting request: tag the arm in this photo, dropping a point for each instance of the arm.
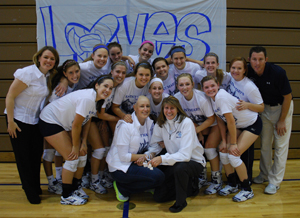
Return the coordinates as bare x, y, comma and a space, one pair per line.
105, 116
62, 87
207, 123
14, 90
85, 131
129, 59
243, 105
117, 110
280, 125
232, 133
76, 133
195, 61
222, 127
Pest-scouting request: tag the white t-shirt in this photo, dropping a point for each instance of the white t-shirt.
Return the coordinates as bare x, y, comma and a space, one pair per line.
62, 111
144, 140
127, 94
108, 101
190, 68
88, 72
226, 103
54, 97
245, 90
198, 108
28, 102
136, 58
203, 73
156, 109
169, 84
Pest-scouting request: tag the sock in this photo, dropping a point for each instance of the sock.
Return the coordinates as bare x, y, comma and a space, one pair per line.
67, 190
58, 172
246, 185
76, 183
231, 180
95, 178
50, 179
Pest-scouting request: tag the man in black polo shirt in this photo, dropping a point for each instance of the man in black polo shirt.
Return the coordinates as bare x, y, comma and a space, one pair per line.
276, 92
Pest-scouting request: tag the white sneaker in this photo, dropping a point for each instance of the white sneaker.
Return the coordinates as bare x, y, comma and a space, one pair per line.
80, 193
119, 196
271, 189
213, 188
97, 187
55, 188
85, 181
243, 196
228, 190
72, 200
259, 179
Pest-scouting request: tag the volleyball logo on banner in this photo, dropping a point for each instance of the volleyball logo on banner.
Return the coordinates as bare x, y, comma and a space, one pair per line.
73, 27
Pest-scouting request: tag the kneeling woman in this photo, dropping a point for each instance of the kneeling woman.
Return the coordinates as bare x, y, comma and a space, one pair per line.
243, 128
130, 142
61, 123
183, 162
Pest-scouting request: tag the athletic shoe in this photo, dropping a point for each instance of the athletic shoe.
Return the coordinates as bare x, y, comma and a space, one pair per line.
80, 193
259, 179
106, 183
97, 187
119, 196
203, 182
243, 196
72, 200
213, 188
271, 189
55, 188
85, 181
228, 190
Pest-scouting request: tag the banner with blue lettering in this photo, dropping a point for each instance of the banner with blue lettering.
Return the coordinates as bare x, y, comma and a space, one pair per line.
73, 27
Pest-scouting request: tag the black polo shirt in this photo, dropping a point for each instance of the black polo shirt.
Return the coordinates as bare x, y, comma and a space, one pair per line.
272, 84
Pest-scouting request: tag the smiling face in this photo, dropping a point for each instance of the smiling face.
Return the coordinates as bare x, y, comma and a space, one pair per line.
104, 89
211, 65
237, 70
143, 76
185, 86
178, 59
170, 111
118, 74
115, 54
161, 69
210, 88
100, 57
142, 109
145, 52
156, 90
72, 74
47, 61
258, 62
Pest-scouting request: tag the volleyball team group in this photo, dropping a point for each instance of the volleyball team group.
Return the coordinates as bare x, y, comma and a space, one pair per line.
141, 125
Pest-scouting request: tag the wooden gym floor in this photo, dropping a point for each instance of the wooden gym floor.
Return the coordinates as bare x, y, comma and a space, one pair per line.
285, 203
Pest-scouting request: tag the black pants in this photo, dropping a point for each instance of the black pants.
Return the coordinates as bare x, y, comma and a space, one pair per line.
28, 149
248, 158
181, 181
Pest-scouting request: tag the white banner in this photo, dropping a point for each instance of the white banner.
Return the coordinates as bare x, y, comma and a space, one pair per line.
73, 27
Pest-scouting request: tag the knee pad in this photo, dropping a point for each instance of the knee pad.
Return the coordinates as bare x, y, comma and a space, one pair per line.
106, 151
235, 161
57, 154
210, 153
82, 161
71, 165
98, 153
48, 154
224, 158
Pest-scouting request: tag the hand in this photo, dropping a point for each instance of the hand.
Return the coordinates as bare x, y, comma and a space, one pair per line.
161, 144
131, 62
242, 105
140, 161
201, 138
83, 149
280, 128
61, 89
223, 147
127, 118
233, 150
74, 154
156, 161
11, 129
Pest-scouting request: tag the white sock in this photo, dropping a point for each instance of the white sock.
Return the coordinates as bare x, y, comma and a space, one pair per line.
94, 178
50, 179
58, 172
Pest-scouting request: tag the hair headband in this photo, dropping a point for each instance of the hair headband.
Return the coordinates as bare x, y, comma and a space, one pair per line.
68, 62
156, 80
144, 42
144, 64
99, 46
177, 50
